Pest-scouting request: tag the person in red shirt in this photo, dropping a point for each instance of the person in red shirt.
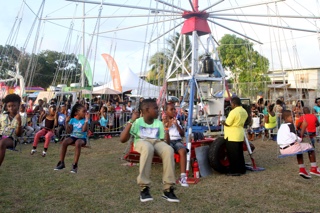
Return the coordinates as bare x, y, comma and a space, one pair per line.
308, 124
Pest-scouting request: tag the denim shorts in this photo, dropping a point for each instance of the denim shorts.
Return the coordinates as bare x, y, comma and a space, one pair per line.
177, 145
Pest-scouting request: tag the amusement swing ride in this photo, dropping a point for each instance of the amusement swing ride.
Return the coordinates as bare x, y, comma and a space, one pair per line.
195, 24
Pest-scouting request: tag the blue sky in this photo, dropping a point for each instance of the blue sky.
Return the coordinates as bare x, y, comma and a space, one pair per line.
129, 46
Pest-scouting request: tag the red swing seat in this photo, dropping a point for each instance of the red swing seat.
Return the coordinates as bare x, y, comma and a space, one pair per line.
134, 156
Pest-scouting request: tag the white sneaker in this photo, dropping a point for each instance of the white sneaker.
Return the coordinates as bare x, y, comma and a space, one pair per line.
33, 151
44, 153
183, 182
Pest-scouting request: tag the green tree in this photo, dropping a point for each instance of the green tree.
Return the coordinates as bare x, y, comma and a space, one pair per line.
247, 66
159, 62
55, 68
45, 68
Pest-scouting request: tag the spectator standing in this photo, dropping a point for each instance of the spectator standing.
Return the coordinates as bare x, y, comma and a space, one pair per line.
234, 136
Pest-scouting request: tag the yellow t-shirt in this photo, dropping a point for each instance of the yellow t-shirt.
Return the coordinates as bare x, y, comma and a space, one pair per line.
235, 121
272, 122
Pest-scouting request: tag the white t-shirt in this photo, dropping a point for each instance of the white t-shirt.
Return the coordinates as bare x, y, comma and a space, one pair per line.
174, 133
287, 135
255, 122
129, 108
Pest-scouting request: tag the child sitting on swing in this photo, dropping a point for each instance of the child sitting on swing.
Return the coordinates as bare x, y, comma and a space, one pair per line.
103, 121
10, 124
50, 122
176, 133
78, 126
290, 143
149, 136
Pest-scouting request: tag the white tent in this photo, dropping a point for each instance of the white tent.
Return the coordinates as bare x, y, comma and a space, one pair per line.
131, 81
104, 89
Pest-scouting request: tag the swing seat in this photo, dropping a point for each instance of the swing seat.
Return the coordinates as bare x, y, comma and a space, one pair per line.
294, 154
271, 134
134, 156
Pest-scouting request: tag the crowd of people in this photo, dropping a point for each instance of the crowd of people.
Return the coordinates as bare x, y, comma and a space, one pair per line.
152, 135
268, 116
77, 122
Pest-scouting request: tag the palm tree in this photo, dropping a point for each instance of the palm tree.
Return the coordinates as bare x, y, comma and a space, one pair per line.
160, 61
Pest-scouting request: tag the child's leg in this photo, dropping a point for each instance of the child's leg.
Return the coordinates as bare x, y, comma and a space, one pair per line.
146, 150
183, 160
300, 159
314, 168
312, 156
65, 143
78, 144
37, 137
47, 137
4, 144
166, 153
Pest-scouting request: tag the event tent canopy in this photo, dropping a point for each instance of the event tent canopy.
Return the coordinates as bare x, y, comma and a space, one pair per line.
131, 81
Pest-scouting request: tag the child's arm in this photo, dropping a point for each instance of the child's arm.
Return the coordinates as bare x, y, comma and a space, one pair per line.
42, 116
19, 127
180, 130
266, 118
166, 124
303, 126
55, 120
68, 126
85, 126
125, 134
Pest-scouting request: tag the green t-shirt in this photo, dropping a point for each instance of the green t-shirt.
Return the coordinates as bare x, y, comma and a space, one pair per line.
142, 130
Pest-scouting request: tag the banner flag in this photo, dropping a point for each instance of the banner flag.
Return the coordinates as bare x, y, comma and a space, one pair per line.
114, 72
87, 69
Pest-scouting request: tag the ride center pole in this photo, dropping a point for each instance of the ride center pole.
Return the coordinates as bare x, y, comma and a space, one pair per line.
194, 70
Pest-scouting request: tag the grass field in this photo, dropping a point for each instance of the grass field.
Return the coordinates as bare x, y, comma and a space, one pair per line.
103, 184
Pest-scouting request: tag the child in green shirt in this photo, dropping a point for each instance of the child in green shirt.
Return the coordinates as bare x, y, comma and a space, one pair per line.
149, 136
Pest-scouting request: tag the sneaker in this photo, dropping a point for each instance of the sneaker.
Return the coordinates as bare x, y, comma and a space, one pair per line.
183, 181
315, 171
303, 173
74, 169
44, 153
60, 166
170, 196
33, 151
145, 195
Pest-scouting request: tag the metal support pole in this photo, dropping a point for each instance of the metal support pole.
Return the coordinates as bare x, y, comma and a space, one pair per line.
83, 43
194, 70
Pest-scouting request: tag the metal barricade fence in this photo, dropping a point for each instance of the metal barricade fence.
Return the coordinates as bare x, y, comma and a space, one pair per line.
116, 122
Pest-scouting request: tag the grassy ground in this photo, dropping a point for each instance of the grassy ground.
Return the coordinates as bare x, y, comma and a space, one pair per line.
29, 184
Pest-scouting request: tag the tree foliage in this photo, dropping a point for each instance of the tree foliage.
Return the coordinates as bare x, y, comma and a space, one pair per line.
41, 69
247, 66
